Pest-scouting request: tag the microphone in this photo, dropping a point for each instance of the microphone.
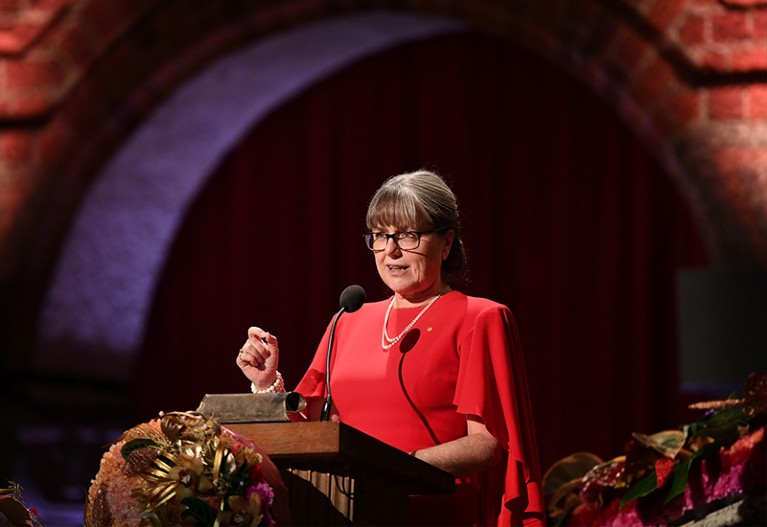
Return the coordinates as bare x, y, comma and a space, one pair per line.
351, 300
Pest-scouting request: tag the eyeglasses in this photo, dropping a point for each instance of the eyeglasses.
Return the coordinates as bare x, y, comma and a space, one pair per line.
406, 240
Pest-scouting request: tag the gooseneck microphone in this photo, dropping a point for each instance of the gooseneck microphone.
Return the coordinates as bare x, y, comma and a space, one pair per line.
351, 300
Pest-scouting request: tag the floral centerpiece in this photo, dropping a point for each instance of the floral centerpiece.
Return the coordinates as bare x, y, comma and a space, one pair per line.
662, 478
180, 469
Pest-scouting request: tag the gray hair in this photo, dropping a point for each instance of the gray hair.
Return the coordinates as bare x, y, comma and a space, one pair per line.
421, 200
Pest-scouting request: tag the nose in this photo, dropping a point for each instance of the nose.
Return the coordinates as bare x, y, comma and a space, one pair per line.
391, 247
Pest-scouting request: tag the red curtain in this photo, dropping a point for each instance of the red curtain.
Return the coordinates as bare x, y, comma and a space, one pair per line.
568, 220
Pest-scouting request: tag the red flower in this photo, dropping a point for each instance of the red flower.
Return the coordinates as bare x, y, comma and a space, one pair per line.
663, 468
743, 449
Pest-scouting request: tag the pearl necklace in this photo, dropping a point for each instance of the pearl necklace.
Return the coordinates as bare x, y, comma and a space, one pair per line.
388, 342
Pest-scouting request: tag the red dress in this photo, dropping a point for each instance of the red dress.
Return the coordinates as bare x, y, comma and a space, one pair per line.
462, 357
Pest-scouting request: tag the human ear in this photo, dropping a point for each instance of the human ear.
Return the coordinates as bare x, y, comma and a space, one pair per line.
449, 237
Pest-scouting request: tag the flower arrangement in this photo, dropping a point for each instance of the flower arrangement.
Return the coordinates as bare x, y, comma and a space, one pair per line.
180, 469
663, 476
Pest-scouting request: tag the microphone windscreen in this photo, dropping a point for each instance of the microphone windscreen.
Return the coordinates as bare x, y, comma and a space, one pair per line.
352, 298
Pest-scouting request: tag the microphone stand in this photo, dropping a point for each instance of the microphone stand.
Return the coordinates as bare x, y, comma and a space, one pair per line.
328, 398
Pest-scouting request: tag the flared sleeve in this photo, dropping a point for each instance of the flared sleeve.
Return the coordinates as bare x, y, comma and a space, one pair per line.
492, 384
312, 385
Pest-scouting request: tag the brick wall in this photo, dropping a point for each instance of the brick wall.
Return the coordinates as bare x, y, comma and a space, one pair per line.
76, 76
690, 77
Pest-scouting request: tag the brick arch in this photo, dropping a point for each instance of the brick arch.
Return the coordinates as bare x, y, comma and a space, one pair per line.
143, 192
687, 76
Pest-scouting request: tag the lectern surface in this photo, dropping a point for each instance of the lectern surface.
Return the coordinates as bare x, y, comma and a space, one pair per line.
341, 449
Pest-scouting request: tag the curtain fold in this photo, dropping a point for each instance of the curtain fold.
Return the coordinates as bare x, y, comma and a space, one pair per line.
567, 219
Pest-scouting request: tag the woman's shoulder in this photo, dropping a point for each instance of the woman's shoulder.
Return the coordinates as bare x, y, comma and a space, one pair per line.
472, 314
476, 305
475, 301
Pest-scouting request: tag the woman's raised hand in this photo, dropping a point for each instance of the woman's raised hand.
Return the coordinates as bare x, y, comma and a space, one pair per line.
258, 358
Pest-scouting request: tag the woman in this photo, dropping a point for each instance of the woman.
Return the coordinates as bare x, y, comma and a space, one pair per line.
430, 370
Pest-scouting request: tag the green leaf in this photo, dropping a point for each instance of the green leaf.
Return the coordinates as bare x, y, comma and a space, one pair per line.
200, 510
723, 425
135, 444
642, 488
681, 475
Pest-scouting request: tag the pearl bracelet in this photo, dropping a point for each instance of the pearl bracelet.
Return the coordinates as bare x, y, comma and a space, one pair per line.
278, 386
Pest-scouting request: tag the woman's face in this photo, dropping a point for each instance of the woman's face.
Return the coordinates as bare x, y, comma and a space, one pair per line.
414, 275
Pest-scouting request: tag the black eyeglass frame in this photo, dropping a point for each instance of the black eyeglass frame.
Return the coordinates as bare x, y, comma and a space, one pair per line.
368, 236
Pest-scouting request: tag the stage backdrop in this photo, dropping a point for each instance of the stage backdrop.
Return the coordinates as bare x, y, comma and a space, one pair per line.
567, 218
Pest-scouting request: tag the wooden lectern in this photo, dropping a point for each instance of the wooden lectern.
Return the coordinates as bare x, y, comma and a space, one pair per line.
337, 475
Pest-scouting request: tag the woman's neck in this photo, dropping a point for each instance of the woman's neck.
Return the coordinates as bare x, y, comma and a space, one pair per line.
420, 298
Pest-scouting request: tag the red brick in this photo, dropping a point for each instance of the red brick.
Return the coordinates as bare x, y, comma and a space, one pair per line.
745, 3
757, 102
737, 157
750, 59
760, 25
14, 40
37, 73
51, 4
713, 60
9, 7
664, 122
725, 103
729, 27
684, 105
28, 23
693, 31
630, 49
663, 12
653, 81
676, 109
29, 105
